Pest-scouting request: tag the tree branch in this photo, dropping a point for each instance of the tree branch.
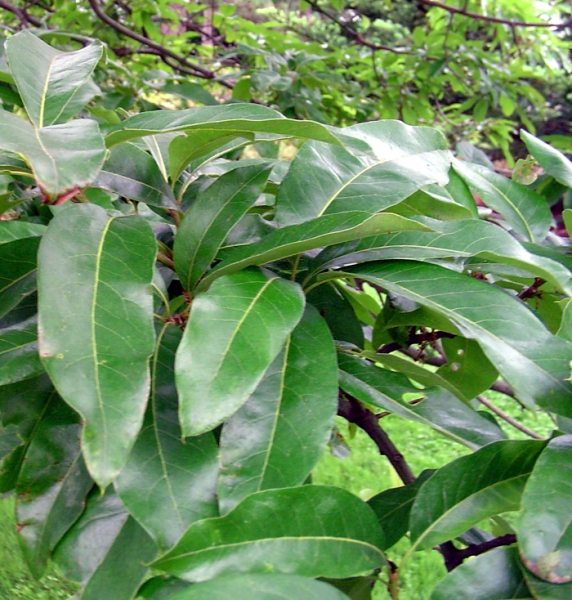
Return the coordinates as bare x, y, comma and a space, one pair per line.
24, 17
499, 20
184, 65
508, 418
454, 559
351, 409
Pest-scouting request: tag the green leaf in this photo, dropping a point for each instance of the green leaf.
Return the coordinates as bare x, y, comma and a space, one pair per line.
61, 157
54, 85
544, 528
326, 179
338, 314
10, 231
210, 218
450, 502
494, 575
22, 405
234, 332
184, 149
19, 352
302, 531
524, 210
106, 550
457, 239
439, 409
229, 119
291, 240
134, 174
278, 436
543, 590
190, 91
160, 588
468, 369
167, 484
393, 507
550, 159
96, 326
52, 484
270, 586
17, 271
532, 360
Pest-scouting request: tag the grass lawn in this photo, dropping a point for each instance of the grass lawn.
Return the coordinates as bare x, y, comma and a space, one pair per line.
364, 473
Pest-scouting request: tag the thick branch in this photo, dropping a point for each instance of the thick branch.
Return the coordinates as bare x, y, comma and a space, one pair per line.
24, 17
454, 559
499, 20
351, 409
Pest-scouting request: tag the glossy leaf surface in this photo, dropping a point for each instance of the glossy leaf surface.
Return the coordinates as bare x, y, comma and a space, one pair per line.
106, 550
291, 240
526, 211
60, 156
550, 159
19, 352
326, 179
299, 530
278, 436
544, 528
457, 239
440, 409
95, 326
449, 503
52, 484
494, 575
210, 218
271, 586
532, 360
234, 332
167, 484
134, 174
230, 119
54, 85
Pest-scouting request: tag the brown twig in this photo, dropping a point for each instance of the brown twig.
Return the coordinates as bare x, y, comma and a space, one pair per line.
454, 559
24, 17
531, 290
499, 20
508, 418
352, 410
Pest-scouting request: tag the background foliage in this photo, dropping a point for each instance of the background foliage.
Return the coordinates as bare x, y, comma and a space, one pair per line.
191, 294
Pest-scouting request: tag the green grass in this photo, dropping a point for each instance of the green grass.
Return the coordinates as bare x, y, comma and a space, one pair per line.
364, 473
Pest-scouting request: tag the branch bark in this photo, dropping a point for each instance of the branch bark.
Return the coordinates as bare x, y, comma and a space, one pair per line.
24, 17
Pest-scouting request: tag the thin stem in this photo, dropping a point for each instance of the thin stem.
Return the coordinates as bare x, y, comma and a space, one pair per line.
166, 261
508, 418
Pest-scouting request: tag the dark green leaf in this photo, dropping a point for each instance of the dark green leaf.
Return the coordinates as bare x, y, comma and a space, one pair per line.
439, 409
544, 527
231, 118
19, 352
278, 436
270, 586
234, 332
533, 361
106, 550
522, 208
291, 240
96, 326
52, 483
210, 218
54, 85
160, 588
167, 484
326, 179
393, 507
22, 405
191, 91
451, 502
550, 159
134, 174
494, 575
338, 314
11, 231
303, 530
542, 590
458, 239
